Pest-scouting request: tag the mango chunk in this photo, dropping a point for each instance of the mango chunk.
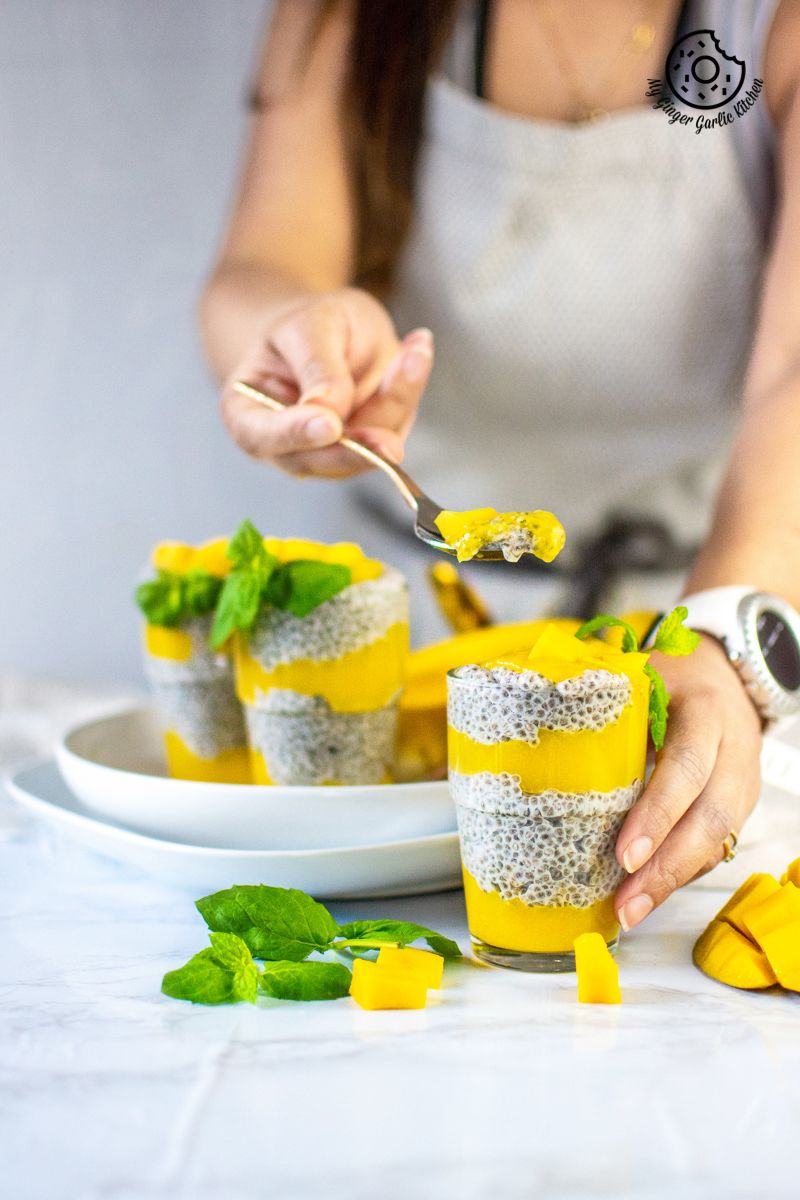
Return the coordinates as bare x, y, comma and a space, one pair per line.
598, 974
423, 965
375, 986
726, 955
774, 925
754, 889
792, 873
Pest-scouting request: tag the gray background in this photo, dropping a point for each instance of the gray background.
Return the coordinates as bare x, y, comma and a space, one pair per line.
121, 125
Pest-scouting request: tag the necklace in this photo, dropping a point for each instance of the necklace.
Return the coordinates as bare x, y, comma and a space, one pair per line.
638, 39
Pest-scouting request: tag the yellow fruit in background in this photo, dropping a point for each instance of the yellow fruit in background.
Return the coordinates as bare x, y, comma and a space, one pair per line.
792, 873
754, 889
374, 986
729, 957
598, 974
774, 924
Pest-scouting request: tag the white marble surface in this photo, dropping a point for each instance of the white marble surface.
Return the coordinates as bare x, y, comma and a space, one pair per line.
505, 1087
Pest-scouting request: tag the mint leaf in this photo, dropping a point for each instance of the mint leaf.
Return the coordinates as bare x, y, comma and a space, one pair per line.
200, 592
658, 707
673, 637
305, 980
302, 585
224, 973
630, 642
246, 548
366, 934
275, 923
238, 606
171, 598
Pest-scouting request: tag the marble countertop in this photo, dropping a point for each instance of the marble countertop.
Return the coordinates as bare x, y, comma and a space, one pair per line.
503, 1087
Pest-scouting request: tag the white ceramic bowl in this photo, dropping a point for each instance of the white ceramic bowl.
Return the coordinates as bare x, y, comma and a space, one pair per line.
115, 766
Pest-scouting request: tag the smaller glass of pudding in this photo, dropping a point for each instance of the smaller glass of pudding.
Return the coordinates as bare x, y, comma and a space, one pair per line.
321, 691
191, 684
546, 753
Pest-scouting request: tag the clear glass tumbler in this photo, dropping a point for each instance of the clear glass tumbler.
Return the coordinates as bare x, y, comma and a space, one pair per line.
542, 774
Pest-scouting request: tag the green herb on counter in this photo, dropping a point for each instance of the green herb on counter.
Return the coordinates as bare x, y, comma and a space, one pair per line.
282, 927
673, 638
171, 598
258, 579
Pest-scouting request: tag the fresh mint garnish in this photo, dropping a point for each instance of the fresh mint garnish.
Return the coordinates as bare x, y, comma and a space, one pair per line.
172, 598
368, 935
257, 579
305, 980
275, 923
630, 642
224, 973
672, 637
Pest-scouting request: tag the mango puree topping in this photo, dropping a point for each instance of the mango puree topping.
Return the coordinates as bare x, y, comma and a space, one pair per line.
179, 558
230, 766
517, 533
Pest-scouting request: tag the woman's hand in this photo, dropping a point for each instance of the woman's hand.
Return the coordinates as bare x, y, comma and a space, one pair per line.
705, 783
336, 359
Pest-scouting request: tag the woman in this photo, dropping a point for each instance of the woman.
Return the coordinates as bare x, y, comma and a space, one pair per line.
616, 302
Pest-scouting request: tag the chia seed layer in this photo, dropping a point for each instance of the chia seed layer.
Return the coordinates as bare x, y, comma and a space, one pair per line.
303, 741
196, 698
554, 848
361, 614
496, 704
516, 542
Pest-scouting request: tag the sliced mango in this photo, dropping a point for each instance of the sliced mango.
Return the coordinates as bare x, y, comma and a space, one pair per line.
726, 955
754, 889
347, 553
374, 986
792, 873
598, 974
774, 924
423, 965
179, 557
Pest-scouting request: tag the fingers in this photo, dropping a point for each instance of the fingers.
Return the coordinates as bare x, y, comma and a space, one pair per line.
682, 771
265, 434
314, 346
695, 845
385, 419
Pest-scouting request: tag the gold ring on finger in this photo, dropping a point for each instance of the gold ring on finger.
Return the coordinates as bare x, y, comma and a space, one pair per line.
729, 847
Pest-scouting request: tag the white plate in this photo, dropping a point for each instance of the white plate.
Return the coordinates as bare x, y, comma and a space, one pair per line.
116, 768
403, 868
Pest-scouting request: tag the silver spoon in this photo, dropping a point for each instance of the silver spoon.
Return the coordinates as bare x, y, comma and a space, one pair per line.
425, 510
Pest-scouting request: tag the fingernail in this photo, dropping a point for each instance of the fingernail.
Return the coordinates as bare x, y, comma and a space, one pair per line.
422, 337
314, 395
637, 853
634, 911
321, 431
416, 361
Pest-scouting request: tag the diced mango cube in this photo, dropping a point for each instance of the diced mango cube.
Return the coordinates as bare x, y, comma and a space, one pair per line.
774, 925
375, 986
598, 975
754, 889
792, 873
419, 964
726, 955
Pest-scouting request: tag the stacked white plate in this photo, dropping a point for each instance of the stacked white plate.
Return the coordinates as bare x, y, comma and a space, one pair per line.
108, 789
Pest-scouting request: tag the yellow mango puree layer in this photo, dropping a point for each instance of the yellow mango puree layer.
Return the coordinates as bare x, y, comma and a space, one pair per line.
468, 532
535, 928
232, 766
361, 681
161, 642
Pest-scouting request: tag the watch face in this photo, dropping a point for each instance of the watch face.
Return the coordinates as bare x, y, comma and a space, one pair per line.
780, 650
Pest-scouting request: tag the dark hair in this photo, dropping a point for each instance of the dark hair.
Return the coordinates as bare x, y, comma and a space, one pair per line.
395, 47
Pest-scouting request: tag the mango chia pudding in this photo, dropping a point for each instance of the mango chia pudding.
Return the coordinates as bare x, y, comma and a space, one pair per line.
191, 683
320, 656
546, 757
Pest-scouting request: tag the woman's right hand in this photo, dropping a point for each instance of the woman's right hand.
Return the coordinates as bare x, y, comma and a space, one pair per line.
336, 360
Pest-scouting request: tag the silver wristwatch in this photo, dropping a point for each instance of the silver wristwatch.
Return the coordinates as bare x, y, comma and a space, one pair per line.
760, 634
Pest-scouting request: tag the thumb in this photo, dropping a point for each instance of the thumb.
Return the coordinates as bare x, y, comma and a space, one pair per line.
314, 348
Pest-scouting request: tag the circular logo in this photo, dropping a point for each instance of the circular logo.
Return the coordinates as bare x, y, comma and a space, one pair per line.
699, 72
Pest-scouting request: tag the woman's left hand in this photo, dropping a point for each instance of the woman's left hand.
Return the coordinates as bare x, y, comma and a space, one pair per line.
705, 783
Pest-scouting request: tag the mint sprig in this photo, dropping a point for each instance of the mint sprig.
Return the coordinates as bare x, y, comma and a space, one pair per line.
282, 927
172, 598
673, 638
258, 579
